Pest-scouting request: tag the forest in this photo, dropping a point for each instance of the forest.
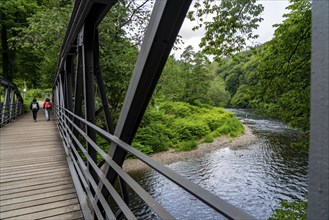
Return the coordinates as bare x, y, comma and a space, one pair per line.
272, 78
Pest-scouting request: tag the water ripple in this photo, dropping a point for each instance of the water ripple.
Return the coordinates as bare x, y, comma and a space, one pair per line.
255, 179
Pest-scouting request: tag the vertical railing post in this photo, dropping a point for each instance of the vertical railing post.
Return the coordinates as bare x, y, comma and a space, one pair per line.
11, 105
5, 103
17, 103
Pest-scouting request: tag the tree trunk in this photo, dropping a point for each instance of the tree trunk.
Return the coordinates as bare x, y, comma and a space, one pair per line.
5, 54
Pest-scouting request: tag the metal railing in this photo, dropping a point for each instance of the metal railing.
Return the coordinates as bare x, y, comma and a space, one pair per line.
88, 190
11, 102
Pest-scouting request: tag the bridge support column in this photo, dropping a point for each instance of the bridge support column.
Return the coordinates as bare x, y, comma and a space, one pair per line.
88, 85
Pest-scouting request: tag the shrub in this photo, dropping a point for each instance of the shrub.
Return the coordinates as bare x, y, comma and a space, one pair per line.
209, 138
181, 124
142, 148
214, 118
155, 135
178, 109
186, 145
231, 127
290, 210
187, 129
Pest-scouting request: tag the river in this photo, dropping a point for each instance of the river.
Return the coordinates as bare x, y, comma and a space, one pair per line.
254, 178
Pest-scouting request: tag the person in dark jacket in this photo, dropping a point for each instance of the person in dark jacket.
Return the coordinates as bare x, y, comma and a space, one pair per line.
34, 106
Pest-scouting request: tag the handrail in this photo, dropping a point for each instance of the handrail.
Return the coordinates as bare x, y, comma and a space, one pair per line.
73, 146
12, 104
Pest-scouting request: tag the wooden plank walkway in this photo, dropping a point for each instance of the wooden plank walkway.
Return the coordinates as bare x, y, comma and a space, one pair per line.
35, 182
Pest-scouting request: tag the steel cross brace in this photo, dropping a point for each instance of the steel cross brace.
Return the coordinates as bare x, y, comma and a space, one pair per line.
166, 20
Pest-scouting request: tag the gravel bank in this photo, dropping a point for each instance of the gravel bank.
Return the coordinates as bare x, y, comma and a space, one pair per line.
170, 156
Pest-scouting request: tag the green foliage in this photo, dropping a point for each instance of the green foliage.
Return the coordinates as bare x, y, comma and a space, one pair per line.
180, 125
290, 210
186, 145
231, 127
39, 44
178, 109
190, 129
209, 138
13, 16
275, 77
155, 135
146, 149
231, 27
217, 94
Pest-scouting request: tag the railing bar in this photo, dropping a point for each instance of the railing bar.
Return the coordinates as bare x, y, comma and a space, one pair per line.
123, 206
103, 201
87, 188
79, 190
83, 178
211, 200
163, 213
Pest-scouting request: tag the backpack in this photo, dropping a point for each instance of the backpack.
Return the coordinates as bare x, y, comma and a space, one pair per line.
34, 106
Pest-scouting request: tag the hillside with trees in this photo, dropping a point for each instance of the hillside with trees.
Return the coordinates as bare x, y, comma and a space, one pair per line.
273, 78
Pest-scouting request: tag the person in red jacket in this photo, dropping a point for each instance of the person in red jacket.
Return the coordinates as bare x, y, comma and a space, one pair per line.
47, 107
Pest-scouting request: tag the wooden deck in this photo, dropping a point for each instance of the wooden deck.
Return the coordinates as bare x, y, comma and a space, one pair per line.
35, 182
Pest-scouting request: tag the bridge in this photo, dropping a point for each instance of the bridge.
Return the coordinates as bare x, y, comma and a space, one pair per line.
70, 153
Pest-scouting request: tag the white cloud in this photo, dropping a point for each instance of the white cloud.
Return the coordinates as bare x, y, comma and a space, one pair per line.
272, 14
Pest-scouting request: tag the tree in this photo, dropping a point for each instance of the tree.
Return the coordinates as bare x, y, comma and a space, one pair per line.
217, 94
276, 78
172, 81
13, 16
197, 76
231, 25
284, 69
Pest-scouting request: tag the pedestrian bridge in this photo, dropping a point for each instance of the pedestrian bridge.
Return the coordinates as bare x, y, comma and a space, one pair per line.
41, 162
35, 180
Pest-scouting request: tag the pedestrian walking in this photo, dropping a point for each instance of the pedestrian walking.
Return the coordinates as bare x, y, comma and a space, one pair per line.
47, 106
34, 106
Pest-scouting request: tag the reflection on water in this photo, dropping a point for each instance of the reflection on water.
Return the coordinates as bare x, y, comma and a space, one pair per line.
254, 178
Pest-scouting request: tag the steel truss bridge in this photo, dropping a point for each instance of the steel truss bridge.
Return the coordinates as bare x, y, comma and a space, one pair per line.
74, 96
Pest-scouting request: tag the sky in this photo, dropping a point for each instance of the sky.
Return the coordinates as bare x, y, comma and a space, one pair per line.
272, 14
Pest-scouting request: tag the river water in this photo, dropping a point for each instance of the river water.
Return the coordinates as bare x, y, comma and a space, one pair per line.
254, 178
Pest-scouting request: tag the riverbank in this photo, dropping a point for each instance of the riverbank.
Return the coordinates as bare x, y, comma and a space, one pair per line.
170, 156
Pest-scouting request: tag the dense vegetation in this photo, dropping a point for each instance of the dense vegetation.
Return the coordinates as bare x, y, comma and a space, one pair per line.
180, 125
275, 77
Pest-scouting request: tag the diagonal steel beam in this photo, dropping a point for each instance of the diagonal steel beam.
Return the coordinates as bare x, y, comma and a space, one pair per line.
166, 20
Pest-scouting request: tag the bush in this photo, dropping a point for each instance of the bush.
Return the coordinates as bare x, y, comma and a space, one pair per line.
186, 145
232, 127
151, 116
178, 109
181, 124
155, 135
214, 118
142, 148
187, 129
209, 138
290, 210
